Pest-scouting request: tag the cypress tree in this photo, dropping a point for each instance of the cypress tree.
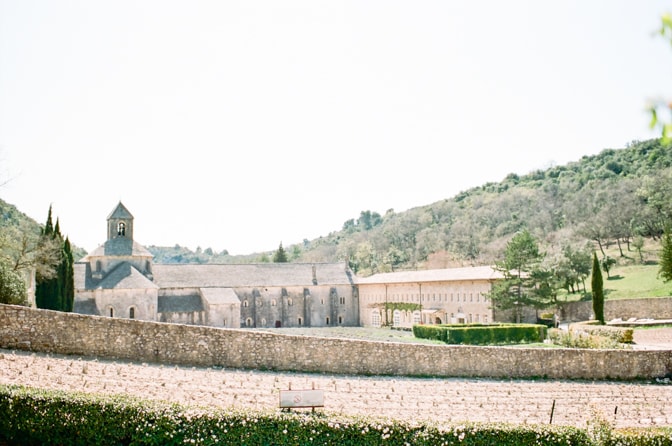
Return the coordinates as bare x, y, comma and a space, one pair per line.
280, 255
597, 288
665, 264
57, 293
68, 277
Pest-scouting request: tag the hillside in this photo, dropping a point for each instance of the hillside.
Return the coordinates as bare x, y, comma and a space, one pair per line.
14, 224
607, 199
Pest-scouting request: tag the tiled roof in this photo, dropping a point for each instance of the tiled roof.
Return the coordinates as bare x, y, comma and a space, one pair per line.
179, 304
249, 275
125, 277
434, 275
219, 296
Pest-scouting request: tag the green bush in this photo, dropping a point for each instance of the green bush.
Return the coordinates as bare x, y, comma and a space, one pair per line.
482, 334
36, 417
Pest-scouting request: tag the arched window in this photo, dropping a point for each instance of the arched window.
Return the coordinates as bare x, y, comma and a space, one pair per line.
375, 318
416, 317
245, 304
300, 321
396, 318
248, 322
121, 229
111, 312
328, 320
340, 320
263, 322
131, 313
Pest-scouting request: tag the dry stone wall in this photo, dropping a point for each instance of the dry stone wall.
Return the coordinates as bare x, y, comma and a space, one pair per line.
651, 308
74, 334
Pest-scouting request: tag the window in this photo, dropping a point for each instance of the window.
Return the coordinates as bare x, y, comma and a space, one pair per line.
342, 300
471, 297
248, 322
289, 302
131, 313
396, 318
121, 229
375, 318
327, 321
273, 302
340, 320
416, 317
300, 321
111, 312
245, 304
485, 318
322, 301
263, 322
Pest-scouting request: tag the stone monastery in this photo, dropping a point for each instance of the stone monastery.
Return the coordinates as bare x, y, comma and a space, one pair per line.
119, 279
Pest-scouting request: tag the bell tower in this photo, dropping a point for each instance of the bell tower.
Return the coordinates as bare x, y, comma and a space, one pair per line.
120, 224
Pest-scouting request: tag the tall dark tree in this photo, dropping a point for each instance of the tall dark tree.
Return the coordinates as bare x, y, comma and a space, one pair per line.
665, 265
597, 288
280, 255
56, 292
68, 274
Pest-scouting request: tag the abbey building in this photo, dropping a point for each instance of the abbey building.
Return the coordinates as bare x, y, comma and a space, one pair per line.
119, 279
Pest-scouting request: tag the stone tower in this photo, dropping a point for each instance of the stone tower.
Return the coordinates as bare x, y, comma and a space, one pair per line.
120, 223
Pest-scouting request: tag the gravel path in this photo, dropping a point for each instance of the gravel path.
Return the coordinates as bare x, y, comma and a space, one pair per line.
442, 400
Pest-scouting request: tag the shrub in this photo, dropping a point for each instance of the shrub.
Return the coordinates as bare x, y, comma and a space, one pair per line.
36, 417
482, 334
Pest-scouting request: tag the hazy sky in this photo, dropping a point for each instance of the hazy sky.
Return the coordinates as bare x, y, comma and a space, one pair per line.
242, 124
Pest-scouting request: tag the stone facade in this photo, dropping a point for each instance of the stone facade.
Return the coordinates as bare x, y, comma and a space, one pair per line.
443, 296
119, 279
116, 338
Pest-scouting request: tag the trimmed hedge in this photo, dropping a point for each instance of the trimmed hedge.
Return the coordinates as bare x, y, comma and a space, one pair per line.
35, 417
482, 334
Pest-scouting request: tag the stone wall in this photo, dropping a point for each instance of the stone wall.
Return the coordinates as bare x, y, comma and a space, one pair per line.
651, 308
74, 334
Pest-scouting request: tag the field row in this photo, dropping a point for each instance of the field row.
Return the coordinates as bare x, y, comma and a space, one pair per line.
440, 400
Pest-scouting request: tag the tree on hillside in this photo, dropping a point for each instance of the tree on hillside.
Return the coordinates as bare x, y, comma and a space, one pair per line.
280, 255
597, 288
12, 285
517, 289
665, 265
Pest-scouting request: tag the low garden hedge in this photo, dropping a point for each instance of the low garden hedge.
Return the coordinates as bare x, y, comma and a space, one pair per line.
482, 334
36, 417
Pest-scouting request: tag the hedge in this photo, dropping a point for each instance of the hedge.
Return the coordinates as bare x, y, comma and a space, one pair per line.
482, 334
35, 417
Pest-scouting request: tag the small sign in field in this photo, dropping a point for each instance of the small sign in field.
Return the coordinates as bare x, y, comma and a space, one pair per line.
296, 399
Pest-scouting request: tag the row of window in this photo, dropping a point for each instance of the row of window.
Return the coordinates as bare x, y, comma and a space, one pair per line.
290, 302
398, 315
454, 297
249, 322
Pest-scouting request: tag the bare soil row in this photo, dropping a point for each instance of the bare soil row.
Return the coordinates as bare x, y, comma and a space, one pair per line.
452, 400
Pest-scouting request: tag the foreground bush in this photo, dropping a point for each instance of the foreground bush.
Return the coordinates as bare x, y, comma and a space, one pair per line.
36, 417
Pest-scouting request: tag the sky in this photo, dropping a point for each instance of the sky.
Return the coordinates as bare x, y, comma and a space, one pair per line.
240, 125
